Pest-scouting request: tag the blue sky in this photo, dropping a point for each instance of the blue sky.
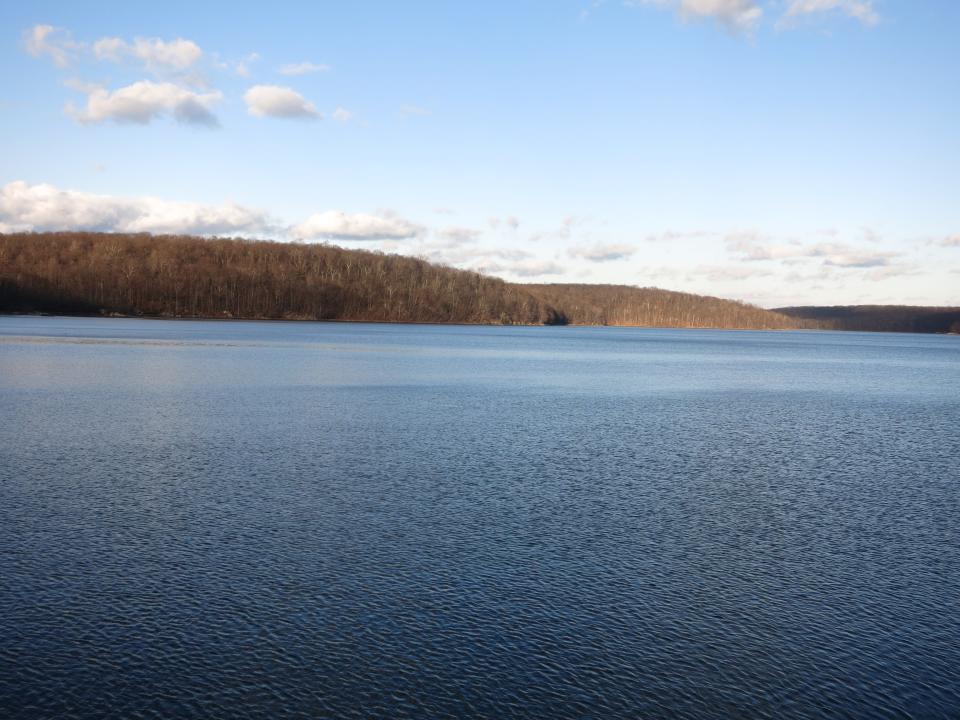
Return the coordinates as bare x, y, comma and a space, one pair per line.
777, 151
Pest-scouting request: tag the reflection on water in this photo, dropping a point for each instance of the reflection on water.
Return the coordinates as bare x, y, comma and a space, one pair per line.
231, 519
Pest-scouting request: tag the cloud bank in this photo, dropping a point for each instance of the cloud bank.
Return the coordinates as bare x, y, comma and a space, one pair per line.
43, 207
25, 207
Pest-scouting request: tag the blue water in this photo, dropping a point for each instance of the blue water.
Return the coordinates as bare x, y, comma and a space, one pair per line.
272, 520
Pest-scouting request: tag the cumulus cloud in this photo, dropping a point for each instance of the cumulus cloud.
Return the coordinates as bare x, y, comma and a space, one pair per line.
342, 115
54, 42
737, 15
604, 253
155, 53
303, 68
25, 207
338, 225
143, 101
278, 101
861, 10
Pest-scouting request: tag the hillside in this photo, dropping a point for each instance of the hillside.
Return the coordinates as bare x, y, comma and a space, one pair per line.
192, 277
173, 276
581, 304
881, 318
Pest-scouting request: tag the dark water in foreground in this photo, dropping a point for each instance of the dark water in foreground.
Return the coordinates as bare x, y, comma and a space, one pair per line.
239, 520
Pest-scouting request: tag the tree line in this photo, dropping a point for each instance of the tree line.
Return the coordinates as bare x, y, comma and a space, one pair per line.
175, 276
189, 277
881, 318
584, 304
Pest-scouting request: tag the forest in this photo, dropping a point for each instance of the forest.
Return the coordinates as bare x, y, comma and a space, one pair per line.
584, 304
172, 276
881, 318
146, 275
189, 277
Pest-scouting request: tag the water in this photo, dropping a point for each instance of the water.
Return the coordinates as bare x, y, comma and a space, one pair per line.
270, 520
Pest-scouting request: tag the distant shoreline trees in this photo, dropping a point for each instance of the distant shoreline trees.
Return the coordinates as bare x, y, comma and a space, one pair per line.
187, 277
881, 318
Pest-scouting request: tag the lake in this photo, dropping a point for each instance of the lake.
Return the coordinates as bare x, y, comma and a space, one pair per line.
271, 520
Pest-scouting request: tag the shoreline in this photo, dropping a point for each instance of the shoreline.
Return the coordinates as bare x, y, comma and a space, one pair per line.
181, 318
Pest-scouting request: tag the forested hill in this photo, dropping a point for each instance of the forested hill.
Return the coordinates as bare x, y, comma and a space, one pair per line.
172, 276
583, 304
881, 318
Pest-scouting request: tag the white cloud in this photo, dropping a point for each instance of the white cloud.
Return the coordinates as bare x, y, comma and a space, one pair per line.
525, 268
738, 15
303, 68
26, 207
455, 252
952, 241
155, 53
861, 10
846, 257
338, 225
460, 234
751, 246
604, 253
277, 101
143, 101
342, 115
43, 40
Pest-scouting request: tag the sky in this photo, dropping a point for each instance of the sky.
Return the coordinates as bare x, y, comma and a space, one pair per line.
782, 152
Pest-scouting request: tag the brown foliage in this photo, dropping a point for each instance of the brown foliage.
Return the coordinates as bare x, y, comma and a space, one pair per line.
174, 276
191, 277
652, 307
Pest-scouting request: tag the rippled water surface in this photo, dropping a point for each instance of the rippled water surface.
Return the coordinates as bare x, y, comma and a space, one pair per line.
271, 520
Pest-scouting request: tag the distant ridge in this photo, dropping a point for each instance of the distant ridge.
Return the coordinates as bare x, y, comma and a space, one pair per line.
881, 318
177, 276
